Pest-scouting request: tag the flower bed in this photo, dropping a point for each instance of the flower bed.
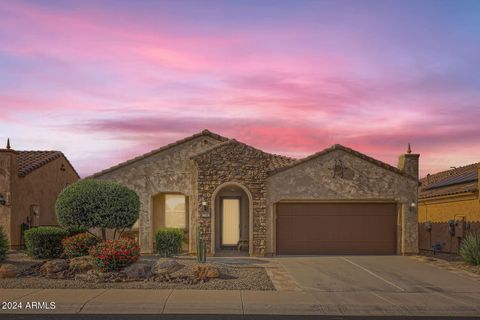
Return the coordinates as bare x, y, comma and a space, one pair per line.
113, 255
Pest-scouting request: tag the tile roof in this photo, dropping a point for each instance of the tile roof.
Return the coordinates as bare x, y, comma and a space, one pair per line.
155, 151
276, 161
29, 161
450, 182
348, 150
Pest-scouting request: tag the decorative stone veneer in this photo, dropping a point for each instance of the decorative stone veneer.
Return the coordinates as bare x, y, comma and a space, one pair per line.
168, 171
341, 176
234, 162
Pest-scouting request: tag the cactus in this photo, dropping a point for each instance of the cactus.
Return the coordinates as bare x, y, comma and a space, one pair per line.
201, 248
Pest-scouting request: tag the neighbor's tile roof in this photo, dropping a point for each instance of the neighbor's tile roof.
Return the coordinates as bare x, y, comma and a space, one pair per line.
450, 182
28, 161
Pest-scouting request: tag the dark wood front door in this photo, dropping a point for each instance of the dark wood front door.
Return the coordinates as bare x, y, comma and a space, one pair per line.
336, 228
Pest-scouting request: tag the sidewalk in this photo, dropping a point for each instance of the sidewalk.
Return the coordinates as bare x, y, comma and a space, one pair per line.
125, 301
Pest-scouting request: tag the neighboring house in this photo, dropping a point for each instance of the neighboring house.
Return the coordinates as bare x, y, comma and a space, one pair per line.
449, 207
30, 182
337, 201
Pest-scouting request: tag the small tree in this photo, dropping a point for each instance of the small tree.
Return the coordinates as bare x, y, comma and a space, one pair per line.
102, 204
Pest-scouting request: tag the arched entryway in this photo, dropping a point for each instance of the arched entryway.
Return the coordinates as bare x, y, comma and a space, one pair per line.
232, 219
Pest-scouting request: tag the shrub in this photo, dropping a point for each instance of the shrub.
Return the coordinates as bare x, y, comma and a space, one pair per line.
75, 230
113, 255
168, 241
100, 204
44, 242
3, 244
470, 248
78, 245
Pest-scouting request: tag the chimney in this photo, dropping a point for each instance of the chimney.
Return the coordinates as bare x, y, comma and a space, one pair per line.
408, 163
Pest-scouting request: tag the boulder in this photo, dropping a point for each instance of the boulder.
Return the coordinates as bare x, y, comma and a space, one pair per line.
138, 271
205, 272
165, 266
80, 265
53, 268
8, 271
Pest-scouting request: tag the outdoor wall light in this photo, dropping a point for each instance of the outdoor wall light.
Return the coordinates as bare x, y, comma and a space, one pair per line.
204, 205
3, 201
413, 205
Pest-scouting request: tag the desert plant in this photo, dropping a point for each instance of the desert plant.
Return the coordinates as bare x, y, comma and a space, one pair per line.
201, 248
78, 245
168, 241
99, 204
44, 242
470, 248
3, 244
113, 255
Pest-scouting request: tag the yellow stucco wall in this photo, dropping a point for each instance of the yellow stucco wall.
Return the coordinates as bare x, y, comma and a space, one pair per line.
450, 208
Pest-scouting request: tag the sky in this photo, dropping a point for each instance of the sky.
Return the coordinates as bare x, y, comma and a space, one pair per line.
104, 81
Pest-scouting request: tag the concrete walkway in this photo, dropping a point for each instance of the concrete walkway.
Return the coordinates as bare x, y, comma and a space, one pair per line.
125, 301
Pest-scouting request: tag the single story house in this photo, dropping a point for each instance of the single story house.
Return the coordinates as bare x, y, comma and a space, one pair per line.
449, 208
337, 201
30, 182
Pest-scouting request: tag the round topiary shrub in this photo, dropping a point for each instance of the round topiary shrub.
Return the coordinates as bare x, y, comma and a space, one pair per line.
45, 242
470, 248
168, 241
78, 245
100, 204
113, 255
3, 244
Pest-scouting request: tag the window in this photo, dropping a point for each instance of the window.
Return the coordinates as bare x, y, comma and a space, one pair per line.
175, 211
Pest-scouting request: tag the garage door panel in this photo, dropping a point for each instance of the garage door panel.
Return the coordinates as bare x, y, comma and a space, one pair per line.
336, 228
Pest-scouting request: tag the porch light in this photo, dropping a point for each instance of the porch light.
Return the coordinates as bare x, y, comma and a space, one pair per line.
413, 205
2, 200
204, 205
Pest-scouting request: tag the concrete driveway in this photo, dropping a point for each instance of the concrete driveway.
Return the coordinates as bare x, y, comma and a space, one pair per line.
354, 284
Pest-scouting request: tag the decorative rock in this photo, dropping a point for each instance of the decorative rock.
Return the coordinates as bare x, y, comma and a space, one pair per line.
138, 271
53, 267
165, 266
8, 271
80, 265
205, 272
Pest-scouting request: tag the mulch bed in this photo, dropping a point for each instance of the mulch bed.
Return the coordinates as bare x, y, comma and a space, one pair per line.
233, 276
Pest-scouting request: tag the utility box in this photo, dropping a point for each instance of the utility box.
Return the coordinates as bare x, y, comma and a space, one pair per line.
460, 228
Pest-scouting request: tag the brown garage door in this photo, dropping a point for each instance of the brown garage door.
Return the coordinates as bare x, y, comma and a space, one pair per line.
336, 228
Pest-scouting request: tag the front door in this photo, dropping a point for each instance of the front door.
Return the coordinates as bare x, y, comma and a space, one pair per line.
230, 221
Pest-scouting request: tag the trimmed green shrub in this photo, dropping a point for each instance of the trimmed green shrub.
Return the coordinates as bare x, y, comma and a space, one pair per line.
78, 245
75, 230
100, 204
3, 244
168, 241
113, 255
44, 242
470, 248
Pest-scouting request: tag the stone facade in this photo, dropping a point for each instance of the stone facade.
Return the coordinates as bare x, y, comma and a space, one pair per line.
342, 176
242, 165
205, 166
168, 170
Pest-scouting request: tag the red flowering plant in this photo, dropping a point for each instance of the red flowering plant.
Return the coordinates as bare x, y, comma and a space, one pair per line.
78, 245
113, 255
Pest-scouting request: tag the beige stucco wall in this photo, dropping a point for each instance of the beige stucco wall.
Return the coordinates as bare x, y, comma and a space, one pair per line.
362, 181
169, 171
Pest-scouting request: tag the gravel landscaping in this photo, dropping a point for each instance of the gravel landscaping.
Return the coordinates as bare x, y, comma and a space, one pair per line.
448, 261
235, 274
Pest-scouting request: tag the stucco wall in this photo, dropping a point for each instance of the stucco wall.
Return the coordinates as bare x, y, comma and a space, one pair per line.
439, 211
362, 180
40, 187
7, 159
170, 170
